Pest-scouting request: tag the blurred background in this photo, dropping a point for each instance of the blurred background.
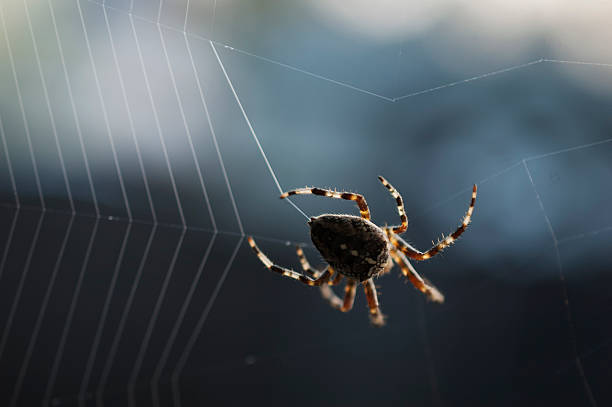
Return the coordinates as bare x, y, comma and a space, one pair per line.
142, 141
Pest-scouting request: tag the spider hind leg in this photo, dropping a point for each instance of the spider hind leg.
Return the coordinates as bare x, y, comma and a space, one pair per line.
400, 206
424, 286
321, 279
349, 296
328, 294
415, 254
376, 316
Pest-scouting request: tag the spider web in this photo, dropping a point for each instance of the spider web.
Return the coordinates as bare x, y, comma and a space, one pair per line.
136, 159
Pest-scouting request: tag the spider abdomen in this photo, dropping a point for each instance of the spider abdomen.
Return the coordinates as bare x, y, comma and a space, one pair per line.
352, 246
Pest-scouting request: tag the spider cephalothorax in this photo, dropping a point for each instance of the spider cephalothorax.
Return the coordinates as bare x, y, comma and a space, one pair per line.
359, 250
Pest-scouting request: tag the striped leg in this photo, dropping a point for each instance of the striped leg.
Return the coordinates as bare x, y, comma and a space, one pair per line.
349, 196
415, 254
326, 290
308, 269
305, 264
376, 317
323, 278
425, 287
336, 280
400, 206
349, 296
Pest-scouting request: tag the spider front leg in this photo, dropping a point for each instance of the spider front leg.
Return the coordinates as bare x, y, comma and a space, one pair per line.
376, 317
323, 278
349, 196
415, 254
420, 284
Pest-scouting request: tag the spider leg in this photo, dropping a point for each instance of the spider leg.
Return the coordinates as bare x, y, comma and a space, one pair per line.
323, 278
417, 281
326, 291
349, 296
400, 206
415, 254
308, 269
304, 262
349, 196
336, 280
376, 317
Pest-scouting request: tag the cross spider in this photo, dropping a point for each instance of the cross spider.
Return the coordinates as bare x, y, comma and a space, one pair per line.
359, 250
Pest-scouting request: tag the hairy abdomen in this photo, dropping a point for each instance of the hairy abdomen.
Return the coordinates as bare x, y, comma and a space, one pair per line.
351, 245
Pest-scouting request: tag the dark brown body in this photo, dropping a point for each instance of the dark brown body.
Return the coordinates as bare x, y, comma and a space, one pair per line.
353, 246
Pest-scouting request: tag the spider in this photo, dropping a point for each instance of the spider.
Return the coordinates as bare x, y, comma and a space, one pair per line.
359, 250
